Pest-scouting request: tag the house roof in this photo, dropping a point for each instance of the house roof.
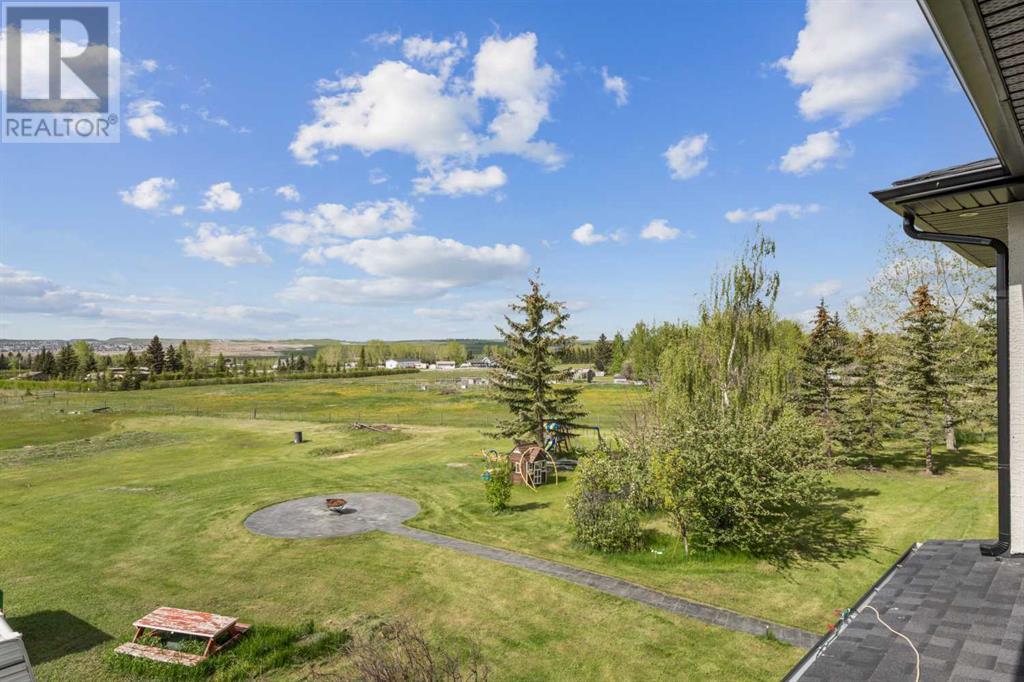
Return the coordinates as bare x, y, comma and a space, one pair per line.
984, 43
963, 612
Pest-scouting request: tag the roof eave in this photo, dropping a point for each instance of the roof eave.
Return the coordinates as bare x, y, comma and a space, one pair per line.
959, 28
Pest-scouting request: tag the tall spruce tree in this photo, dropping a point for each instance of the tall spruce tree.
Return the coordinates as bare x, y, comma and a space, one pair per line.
67, 362
921, 376
826, 360
602, 353
172, 361
527, 380
154, 355
868, 408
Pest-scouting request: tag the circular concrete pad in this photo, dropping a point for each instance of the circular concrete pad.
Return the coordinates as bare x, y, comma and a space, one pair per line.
309, 517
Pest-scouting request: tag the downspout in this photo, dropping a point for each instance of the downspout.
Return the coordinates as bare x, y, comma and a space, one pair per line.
1002, 365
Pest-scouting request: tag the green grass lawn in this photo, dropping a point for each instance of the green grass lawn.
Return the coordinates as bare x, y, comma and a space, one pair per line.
149, 512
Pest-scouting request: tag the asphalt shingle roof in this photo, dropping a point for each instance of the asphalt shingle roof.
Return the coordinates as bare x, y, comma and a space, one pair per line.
963, 611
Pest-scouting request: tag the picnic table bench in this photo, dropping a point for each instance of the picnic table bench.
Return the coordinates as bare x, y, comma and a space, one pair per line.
219, 632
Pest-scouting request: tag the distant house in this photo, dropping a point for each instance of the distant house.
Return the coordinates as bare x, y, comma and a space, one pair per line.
401, 364
481, 363
446, 364
583, 374
34, 376
121, 372
422, 365
621, 380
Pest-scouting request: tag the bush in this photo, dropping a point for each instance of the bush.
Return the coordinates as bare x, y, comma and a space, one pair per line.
751, 483
600, 510
398, 651
498, 484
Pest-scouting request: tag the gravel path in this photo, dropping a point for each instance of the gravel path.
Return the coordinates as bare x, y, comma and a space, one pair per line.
309, 518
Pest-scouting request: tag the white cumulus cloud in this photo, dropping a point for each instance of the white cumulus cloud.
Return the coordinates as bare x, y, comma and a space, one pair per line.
659, 229
149, 195
221, 197
460, 181
428, 258
770, 214
411, 268
216, 243
855, 58
144, 119
436, 117
615, 85
331, 223
688, 157
813, 154
440, 55
587, 235
288, 193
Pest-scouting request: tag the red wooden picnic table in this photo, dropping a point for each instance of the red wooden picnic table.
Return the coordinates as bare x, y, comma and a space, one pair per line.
199, 624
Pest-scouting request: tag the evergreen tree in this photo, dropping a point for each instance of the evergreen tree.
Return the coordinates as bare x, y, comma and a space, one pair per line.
362, 358
67, 362
172, 361
131, 363
868, 405
826, 360
527, 380
5, 362
602, 353
221, 365
45, 362
155, 356
921, 379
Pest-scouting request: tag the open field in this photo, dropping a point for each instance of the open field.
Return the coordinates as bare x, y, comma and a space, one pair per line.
150, 512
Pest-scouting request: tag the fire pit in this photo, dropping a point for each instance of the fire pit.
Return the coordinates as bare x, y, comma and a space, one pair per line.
336, 504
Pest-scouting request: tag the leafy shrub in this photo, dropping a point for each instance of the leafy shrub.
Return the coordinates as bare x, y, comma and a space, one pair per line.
750, 483
600, 510
399, 651
498, 484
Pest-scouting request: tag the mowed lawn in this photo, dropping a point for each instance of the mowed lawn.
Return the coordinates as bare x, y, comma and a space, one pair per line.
150, 512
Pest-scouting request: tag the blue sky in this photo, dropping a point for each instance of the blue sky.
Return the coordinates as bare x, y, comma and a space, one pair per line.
435, 153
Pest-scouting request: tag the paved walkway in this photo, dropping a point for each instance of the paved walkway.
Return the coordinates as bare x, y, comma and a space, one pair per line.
619, 588
309, 518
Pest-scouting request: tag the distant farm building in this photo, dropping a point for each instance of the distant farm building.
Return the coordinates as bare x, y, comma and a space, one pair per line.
34, 376
401, 364
621, 380
446, 364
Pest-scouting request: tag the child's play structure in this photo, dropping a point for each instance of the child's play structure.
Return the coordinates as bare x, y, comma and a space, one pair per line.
559, 436
530, 463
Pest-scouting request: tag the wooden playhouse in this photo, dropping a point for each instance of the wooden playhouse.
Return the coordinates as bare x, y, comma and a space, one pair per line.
531, 465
